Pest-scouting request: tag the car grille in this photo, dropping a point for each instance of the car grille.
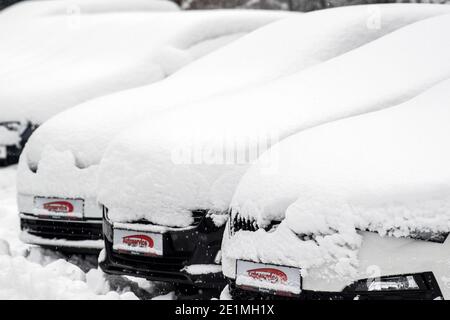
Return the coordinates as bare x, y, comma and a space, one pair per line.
243, 224
68, 230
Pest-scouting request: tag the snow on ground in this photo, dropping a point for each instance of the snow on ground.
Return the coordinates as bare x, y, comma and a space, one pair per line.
178, 162
28, 272
385, 172
50, 64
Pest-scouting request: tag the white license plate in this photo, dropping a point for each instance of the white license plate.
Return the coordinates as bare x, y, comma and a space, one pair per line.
138, 242
61, 208
3, 154
279, 280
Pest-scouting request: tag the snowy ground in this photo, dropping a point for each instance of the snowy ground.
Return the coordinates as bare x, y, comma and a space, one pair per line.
28, 272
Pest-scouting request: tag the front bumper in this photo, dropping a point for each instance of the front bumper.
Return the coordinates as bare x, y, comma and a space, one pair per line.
196, 245
429, 290
67, 235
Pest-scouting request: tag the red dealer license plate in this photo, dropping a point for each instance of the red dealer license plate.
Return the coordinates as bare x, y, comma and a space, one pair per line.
59, 208
138, 242
274, 279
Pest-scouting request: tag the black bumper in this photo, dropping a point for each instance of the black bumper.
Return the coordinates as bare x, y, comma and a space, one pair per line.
12, 156
198, 245
13, 151
428, 291
62, 229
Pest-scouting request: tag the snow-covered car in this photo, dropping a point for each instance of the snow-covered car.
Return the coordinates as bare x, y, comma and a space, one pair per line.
52, 64
357, 209
166, 185
44, 31
36, 8
58, 170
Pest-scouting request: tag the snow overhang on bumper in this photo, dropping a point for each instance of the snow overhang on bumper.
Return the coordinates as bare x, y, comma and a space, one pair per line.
189, 255
416, 285
44, 222
11, 146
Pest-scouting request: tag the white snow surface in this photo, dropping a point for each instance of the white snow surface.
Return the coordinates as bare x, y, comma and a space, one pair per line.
28, 273
80, 135
175, 163
29, 9
384, 172
49, 64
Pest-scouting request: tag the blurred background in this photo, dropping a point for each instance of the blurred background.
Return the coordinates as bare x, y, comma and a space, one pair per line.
293, 5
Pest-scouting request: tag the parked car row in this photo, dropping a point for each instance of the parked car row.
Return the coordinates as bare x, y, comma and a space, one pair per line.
311, 144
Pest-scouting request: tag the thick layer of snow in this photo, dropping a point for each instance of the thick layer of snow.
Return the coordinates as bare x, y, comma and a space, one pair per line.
50, 64
281, 48
193, 157
35, 8
385, 172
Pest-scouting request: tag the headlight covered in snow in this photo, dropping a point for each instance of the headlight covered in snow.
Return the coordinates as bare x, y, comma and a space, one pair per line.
11, 125
390, 283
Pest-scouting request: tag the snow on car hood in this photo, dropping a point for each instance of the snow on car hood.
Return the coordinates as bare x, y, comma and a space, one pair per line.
193, 157
31, 9
384, 172
51, 64
278, 49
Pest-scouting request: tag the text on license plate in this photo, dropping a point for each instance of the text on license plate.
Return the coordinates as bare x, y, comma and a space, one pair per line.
138, 242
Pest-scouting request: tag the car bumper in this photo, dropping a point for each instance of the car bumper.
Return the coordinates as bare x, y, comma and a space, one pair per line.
193, 246
11, 155
59, 234
430, 291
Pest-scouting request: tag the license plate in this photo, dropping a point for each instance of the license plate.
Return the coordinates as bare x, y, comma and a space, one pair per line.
278, 280
59, 208
138, 242
3, 154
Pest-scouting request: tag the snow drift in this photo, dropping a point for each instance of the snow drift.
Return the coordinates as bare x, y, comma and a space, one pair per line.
192, 157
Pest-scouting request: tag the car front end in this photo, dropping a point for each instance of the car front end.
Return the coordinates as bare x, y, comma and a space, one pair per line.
389, 269
186, 255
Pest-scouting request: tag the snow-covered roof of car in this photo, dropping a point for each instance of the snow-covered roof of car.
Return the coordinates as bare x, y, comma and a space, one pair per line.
278, 49
385, 172
35, 8
192, 157
51, 64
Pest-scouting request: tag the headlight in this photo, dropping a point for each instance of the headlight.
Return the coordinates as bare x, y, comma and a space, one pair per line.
389, 283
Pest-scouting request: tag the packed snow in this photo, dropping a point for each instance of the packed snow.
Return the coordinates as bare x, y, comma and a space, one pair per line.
178, 162
30, 9
278, 49
384, 172
49, 64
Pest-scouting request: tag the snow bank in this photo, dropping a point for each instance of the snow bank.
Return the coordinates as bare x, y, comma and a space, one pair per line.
280, 48
22, 279
51, 64
384, 172
37, 8
193, 157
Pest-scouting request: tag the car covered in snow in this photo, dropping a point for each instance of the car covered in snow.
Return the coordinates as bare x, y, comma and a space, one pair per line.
166, 185
356, 209
47, 41
58, 170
